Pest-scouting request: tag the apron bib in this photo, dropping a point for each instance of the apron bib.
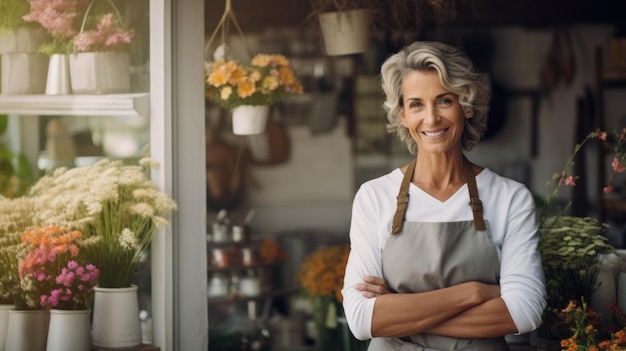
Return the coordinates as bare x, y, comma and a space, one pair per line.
425, 256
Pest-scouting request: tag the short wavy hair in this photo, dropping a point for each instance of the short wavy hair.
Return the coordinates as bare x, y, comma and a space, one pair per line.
457, 75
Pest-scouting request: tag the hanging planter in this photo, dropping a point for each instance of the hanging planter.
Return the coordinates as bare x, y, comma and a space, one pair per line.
250, 120
248, 90
103, 71
345, 32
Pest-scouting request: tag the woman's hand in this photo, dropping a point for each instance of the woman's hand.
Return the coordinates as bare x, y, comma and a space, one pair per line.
373, 287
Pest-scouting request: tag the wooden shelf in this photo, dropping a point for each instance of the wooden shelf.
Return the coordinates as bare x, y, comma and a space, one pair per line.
136, 104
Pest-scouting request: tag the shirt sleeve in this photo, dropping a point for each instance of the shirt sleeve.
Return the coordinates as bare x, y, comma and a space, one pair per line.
522, 281
364, 259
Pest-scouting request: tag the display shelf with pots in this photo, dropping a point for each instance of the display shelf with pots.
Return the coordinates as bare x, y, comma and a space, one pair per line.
242, 267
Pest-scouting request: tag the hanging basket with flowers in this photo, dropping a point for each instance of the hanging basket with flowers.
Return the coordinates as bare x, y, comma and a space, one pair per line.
248, 90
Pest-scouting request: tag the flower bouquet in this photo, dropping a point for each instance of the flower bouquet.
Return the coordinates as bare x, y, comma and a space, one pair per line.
116, 207
65, 21
50, 275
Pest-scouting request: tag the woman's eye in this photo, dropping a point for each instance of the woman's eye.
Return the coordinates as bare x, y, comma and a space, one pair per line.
445, 101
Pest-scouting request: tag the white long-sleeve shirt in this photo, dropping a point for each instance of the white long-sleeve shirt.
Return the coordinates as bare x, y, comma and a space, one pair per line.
509, 208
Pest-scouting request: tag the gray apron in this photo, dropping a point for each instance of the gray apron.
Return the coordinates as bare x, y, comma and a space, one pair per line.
425, 256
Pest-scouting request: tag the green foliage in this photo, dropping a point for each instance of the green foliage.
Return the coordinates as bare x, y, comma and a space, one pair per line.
11, 13
570, 248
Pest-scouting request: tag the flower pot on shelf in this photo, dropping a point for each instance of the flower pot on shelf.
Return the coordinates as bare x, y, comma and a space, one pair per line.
250, 120
23, 73
345, 32
27, 330
4, 324
100, 72
116, 321
23, 40
58, 81
69, 330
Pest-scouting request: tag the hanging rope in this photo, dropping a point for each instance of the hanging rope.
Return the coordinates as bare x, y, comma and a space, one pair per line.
223, 26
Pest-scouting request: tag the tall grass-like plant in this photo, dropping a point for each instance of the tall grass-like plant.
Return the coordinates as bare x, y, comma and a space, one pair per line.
116, 207
15, 216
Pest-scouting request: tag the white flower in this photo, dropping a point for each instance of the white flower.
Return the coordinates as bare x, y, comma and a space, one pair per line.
127, 240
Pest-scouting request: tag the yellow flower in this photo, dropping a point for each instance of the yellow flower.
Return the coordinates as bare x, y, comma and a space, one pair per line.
245, 89
225, 92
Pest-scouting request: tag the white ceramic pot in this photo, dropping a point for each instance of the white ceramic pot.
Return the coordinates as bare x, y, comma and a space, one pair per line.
116, 321
58, 81
250, 120
27, 330
23, 73
4, 324
345, 32
100, 72
69, 331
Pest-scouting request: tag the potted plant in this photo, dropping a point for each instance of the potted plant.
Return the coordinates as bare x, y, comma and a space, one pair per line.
571, 246
321, 276
344, 25
57, 277
15, 216
118, 209
94, 34
248, 90
16, 35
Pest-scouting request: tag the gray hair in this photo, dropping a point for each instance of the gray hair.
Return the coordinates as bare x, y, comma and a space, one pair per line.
457, 75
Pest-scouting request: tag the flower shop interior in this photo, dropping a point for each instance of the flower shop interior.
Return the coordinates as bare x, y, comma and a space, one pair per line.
228, 271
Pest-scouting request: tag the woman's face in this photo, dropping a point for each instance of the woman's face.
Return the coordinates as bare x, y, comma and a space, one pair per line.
432, 114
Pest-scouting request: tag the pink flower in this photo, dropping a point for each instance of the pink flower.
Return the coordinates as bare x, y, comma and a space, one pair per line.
617, 165
570, 181
608, 189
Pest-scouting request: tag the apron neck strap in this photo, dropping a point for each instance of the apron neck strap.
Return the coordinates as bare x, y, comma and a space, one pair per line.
475, 203
403, 197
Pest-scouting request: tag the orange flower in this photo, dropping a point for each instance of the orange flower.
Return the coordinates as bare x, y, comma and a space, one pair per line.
321, 274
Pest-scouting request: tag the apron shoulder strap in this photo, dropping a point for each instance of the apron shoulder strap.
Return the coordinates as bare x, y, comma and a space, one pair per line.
475, 203
403, 199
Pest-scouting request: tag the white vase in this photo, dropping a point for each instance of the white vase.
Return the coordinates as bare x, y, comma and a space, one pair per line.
58, 81
4, 324
250, 120
27, 330
100, 72
345, 32
116, 321
69, 331
605, 293
23, 40
23, 73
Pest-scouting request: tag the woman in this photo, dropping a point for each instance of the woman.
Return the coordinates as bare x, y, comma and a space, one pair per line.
431, 267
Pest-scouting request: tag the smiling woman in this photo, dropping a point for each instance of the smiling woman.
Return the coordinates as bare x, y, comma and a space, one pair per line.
474, 272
